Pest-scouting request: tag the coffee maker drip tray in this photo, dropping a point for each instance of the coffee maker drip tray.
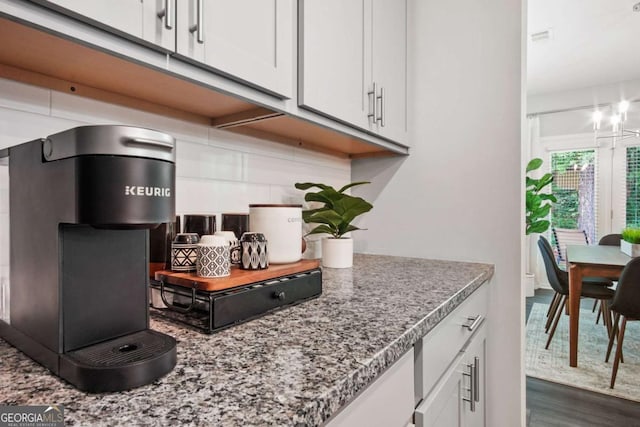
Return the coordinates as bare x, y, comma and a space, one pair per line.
121, 363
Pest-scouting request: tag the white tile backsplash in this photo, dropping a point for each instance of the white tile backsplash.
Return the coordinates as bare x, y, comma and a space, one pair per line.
22, 97
17, 126
199, 196
90, 111
207, 162
247, 144
217, 171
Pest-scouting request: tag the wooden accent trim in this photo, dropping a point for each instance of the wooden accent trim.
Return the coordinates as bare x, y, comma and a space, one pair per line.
244, 130
74, 88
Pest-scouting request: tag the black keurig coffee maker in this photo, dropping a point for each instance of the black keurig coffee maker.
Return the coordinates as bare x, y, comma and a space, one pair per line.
81, 206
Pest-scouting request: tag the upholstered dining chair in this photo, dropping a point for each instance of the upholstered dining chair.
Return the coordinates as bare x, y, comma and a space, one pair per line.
606, 240
559, 281
626, 304
610, 240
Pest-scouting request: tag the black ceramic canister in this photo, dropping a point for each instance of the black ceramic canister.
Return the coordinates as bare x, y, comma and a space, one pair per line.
200, 224
236, 222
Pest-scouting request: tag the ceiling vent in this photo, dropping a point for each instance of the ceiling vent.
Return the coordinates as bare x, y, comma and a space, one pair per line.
541, 35
636, 7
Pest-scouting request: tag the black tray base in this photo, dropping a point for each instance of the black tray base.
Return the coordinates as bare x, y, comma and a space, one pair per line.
211, 312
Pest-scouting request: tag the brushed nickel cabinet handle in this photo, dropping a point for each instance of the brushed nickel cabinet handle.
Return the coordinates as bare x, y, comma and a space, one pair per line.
475, 322
167, 14
198, 27
373, 103
476, 378
382, 107
473, 375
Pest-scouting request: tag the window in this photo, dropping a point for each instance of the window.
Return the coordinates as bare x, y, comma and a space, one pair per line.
574, 185
632, 192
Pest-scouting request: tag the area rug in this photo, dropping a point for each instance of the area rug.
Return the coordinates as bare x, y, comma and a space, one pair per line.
592, 372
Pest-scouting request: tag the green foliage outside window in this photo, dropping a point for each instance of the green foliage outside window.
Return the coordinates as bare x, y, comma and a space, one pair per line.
633, 187
566, 211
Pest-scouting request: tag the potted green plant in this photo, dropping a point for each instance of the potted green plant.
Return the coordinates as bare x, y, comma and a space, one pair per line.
630, 243
538, 204
334, 217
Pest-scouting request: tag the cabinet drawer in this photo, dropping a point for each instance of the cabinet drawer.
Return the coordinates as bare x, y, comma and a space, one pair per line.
387, 402
437, 350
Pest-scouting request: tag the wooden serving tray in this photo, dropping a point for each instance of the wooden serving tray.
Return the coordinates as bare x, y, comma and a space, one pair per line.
237, 278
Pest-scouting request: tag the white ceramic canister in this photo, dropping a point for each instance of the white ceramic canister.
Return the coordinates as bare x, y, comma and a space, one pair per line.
282, 227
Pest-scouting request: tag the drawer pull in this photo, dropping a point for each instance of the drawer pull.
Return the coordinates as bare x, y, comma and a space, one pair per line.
475, 322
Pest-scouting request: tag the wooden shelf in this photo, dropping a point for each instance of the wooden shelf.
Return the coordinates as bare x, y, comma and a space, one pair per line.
35, 57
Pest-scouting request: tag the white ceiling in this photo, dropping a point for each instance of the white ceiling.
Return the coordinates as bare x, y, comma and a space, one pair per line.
594, 42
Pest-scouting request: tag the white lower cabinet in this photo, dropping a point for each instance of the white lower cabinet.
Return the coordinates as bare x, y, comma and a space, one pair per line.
459, 398
440, 382
451, 368
387, 402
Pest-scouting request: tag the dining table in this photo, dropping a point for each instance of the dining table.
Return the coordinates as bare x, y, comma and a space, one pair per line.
588, 261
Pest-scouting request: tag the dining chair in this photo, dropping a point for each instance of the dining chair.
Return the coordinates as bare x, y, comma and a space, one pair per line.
566, 236
606, 240
625, 304
559, 281
610, 240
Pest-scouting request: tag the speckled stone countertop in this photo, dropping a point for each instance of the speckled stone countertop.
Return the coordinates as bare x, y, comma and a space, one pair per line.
296, 366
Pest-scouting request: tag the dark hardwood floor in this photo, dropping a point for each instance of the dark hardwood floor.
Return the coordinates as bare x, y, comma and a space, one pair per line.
556, 405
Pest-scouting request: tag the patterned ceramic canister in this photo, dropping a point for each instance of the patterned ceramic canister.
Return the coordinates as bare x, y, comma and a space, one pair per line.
234, 245
213, 257
183, 252
253, 247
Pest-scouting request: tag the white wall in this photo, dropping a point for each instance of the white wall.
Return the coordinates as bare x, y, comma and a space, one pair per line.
458, 195
594, 95
216, 171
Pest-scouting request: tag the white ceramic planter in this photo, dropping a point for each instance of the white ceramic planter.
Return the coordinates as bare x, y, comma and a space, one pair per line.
337, 253
631, 249
529, 285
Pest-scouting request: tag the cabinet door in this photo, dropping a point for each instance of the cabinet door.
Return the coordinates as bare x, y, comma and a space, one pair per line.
249, 40
334, 69
149, 20
443, 407
449, 403
387, 402
389, 69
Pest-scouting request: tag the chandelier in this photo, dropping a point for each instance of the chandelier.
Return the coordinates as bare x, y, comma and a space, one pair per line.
617, 120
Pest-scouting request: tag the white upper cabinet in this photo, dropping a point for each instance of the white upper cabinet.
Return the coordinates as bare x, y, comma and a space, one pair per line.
334, 75
150, 20
353, 63
250, 40
389, 70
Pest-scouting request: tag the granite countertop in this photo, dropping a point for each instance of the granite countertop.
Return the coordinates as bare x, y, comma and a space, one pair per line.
296, 366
